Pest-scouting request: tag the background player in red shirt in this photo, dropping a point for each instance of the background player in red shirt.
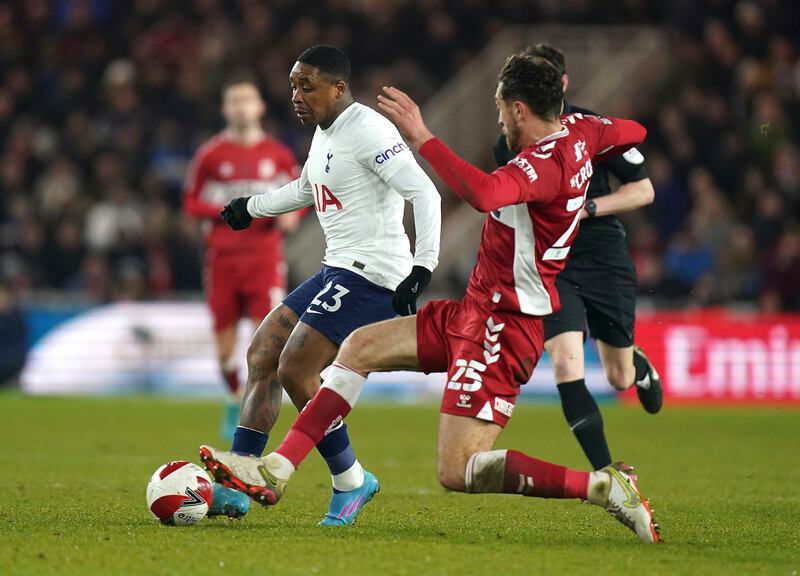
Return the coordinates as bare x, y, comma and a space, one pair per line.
245, 272
489, 342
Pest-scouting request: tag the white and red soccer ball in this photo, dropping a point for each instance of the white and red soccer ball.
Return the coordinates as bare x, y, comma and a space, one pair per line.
179, 493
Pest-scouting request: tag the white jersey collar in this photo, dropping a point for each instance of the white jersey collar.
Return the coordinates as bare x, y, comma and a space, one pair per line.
340, 118
554, 136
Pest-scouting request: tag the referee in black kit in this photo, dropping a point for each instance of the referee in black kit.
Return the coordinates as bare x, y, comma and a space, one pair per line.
597, 288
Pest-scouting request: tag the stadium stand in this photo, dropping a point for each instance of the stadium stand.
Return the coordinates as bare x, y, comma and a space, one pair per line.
97, 128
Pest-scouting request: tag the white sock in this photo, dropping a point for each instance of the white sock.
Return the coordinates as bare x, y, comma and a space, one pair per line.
345, 382
350, 479
486, 472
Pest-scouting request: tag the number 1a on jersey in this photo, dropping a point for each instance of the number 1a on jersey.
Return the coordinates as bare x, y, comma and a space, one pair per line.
323, 198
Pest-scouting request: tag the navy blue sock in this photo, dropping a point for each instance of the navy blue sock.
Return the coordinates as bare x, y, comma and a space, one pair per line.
249, 441
336, 449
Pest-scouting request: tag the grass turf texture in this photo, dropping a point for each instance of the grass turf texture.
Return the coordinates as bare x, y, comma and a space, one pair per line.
724, 484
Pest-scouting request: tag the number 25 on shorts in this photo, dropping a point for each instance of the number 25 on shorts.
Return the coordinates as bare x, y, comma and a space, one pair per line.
469, 371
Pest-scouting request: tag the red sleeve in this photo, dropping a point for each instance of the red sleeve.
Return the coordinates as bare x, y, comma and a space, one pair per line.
615, 136
484, 192
198, 176
536, 178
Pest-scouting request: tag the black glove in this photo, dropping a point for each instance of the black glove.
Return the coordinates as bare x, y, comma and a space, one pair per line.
236, 215
405, 296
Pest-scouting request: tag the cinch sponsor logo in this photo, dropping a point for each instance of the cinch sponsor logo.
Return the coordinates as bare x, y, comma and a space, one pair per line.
389, 153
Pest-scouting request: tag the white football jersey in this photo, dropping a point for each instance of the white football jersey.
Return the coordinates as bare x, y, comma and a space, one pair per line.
346, 180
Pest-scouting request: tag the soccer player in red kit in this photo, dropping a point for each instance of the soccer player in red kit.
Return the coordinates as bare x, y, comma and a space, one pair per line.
245, 271
490, 342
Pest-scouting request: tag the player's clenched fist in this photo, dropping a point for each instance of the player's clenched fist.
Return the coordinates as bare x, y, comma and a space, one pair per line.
236, 215
404, 112
407, 292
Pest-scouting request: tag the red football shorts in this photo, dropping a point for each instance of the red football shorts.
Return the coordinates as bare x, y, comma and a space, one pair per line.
487, 356
243, 286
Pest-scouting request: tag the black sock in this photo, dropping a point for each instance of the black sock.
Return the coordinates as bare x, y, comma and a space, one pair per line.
585, 421
640, 366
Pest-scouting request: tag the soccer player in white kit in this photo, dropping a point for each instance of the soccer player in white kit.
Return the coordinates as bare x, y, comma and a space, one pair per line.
358, 175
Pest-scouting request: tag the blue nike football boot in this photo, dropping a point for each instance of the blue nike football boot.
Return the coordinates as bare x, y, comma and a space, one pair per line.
345, 506
228, 502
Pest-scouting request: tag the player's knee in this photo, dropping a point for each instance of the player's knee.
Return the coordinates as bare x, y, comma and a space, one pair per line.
620, 377
289, 374
260, 360
566, 366
295, 378
451, 476
356, 350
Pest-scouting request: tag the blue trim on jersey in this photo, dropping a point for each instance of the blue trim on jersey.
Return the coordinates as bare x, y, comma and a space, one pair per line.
336, 302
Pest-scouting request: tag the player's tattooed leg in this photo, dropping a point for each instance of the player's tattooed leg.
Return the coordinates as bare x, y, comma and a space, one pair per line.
307, 352
262, 399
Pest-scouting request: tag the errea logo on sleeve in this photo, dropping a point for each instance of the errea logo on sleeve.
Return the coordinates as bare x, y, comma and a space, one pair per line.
390, 153
525, 166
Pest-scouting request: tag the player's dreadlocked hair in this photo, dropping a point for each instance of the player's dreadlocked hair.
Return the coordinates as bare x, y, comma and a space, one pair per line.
534, 81
330, 61
549, 53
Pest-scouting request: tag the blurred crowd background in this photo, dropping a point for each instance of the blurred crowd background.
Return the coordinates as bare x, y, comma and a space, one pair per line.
102, 104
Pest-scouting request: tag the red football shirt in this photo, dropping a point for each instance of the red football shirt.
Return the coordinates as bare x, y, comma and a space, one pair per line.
222, 170
535, 202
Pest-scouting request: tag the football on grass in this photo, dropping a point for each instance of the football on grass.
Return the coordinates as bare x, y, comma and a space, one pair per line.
179, 493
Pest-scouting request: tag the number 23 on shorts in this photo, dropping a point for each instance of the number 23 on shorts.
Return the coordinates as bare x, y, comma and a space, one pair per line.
326, 301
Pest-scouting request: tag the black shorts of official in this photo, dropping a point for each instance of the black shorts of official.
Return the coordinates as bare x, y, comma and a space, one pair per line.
598, 290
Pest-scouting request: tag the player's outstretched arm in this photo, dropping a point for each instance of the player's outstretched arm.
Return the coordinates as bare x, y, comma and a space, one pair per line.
293, 196
484, 192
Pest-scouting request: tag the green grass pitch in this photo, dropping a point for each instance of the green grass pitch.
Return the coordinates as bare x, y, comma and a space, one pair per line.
725, 484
